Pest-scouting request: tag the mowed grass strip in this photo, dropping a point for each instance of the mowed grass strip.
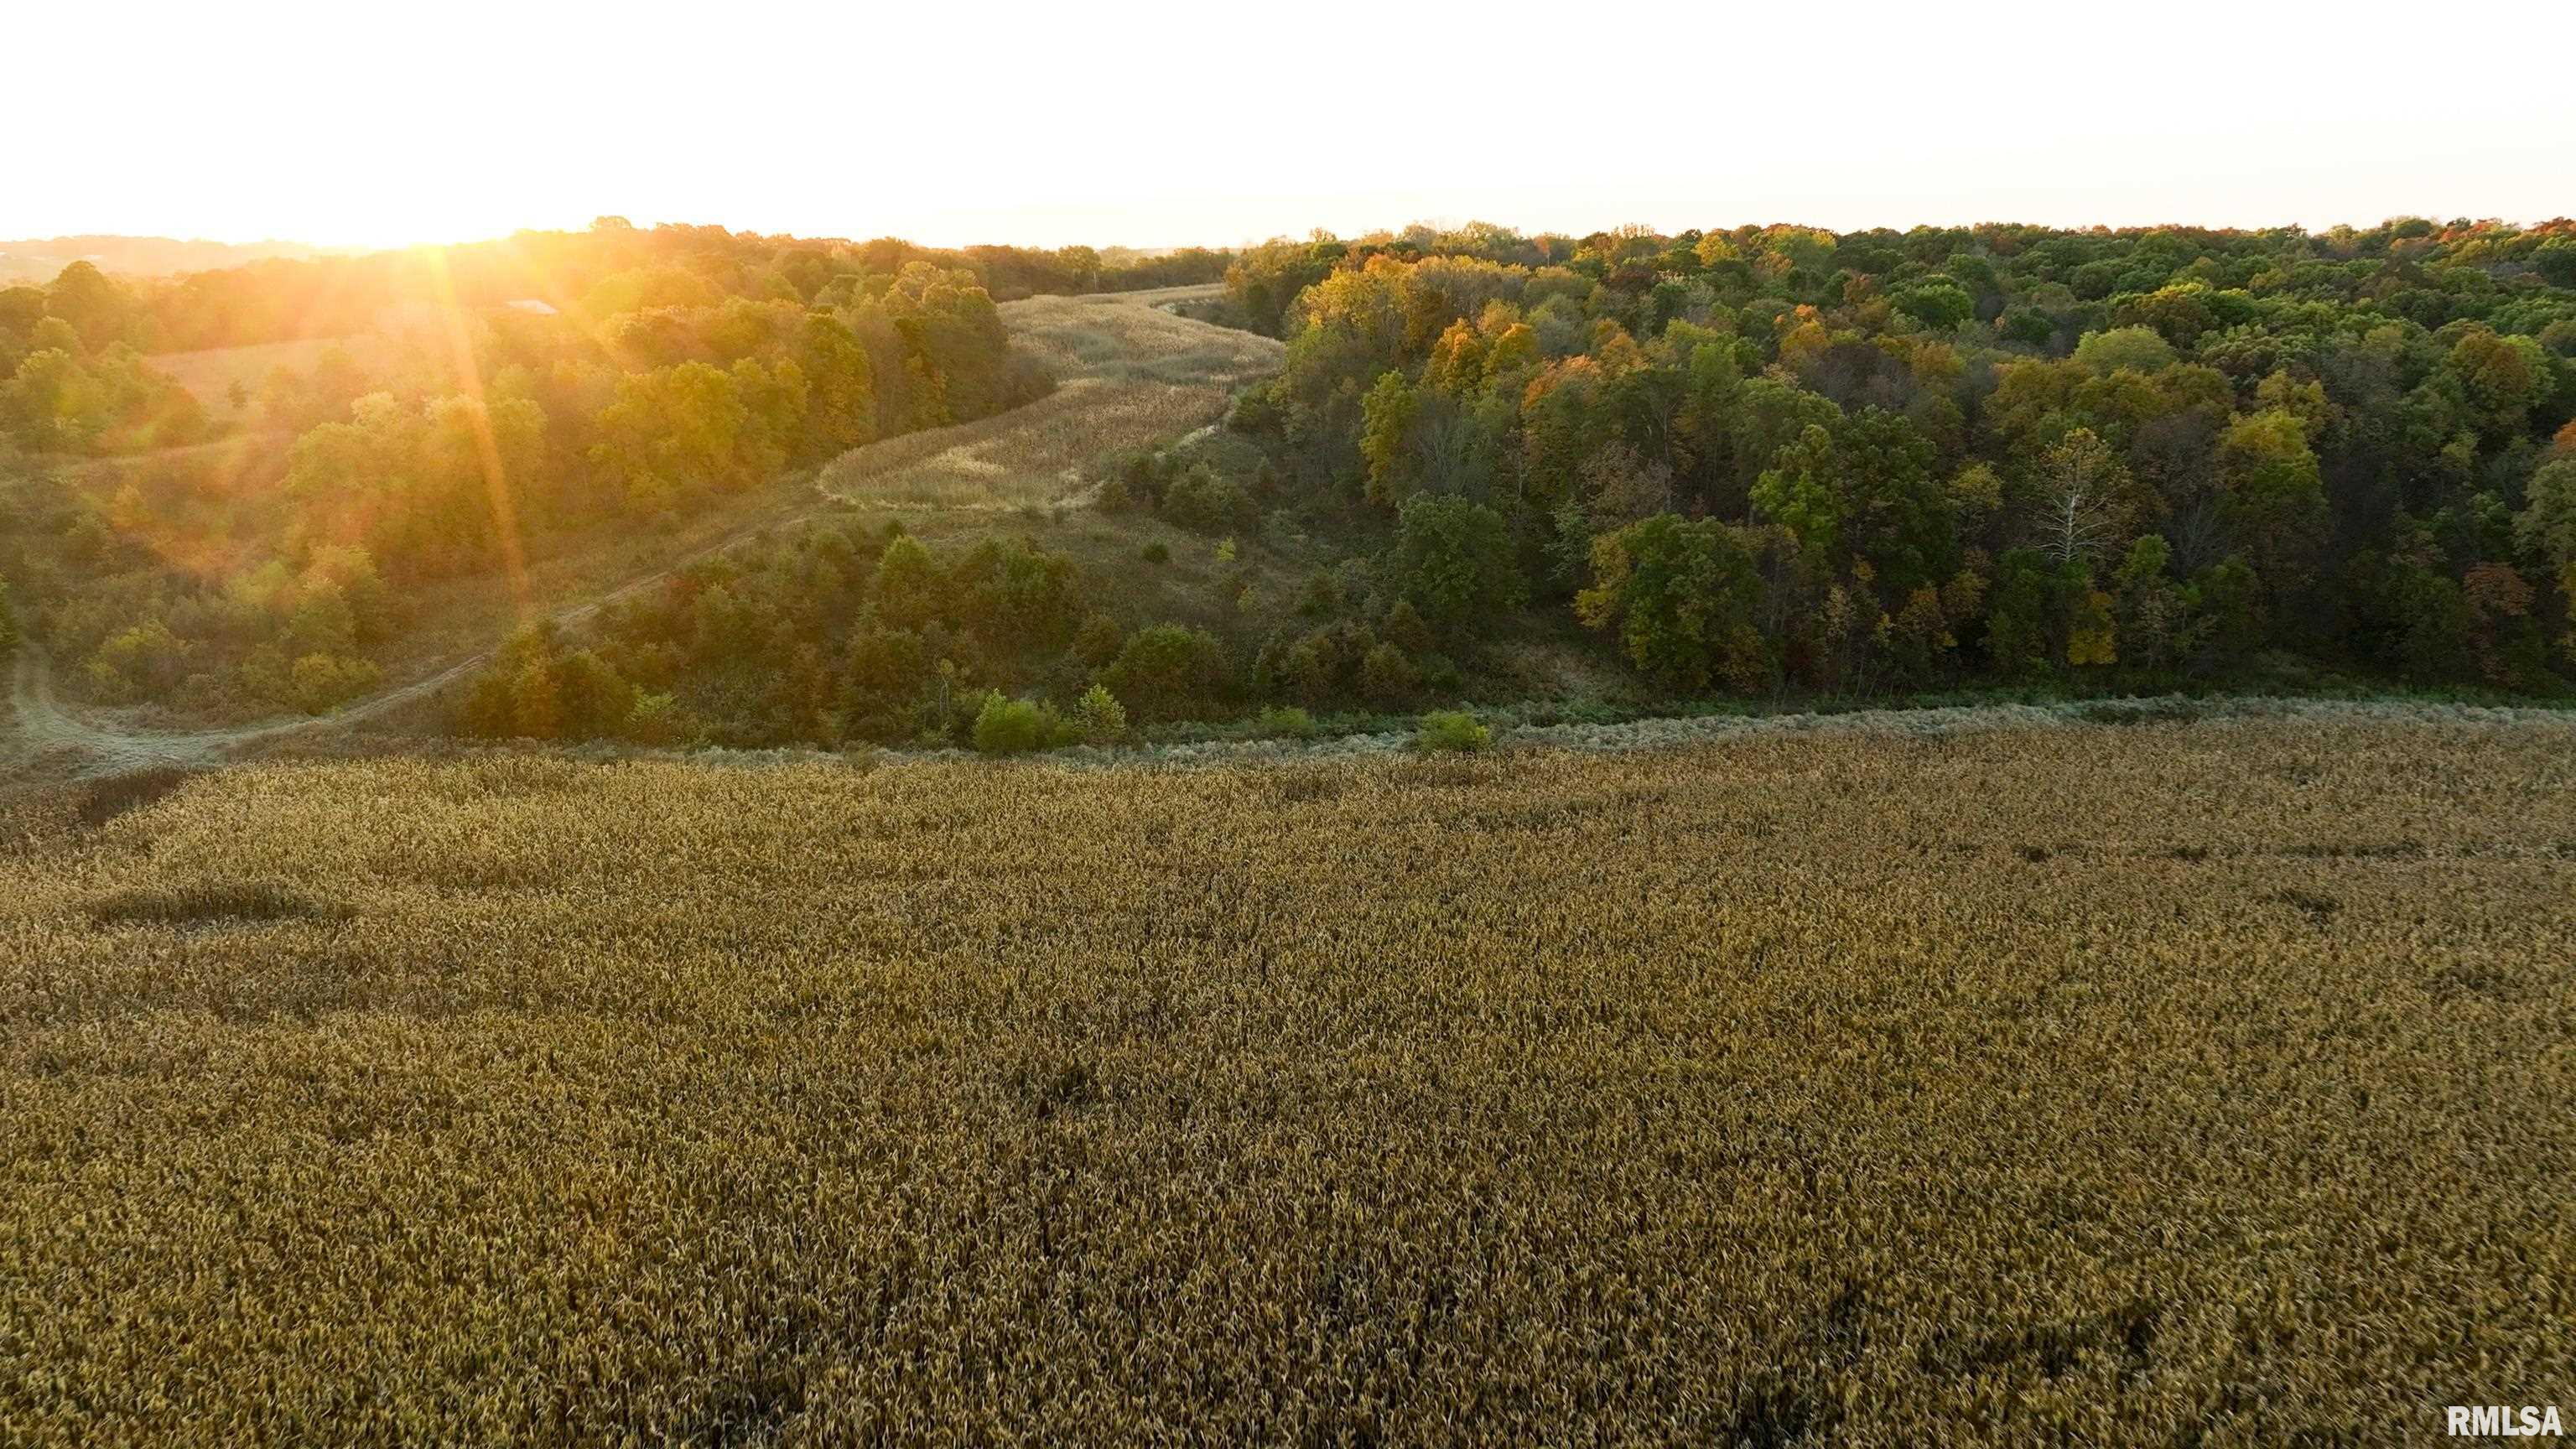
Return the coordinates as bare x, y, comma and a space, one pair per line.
2168, 1083
1131, 376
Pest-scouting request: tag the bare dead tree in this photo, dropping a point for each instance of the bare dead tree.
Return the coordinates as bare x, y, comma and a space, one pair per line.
2080, 515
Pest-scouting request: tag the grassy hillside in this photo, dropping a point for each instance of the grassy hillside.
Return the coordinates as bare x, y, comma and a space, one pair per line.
2142, 1085
1129, 375
226, 381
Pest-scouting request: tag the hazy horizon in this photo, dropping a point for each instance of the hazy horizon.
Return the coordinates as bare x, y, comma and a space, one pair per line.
1443, 222
1163, 127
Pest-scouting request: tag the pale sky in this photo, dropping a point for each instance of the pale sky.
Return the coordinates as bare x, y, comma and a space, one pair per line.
1170, 124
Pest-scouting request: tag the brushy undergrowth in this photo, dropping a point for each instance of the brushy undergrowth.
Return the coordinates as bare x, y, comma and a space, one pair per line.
2162, 1084
1286, 722
1452, 731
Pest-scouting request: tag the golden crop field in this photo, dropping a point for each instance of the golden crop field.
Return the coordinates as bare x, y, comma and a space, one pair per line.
1131, 375
2176, 1083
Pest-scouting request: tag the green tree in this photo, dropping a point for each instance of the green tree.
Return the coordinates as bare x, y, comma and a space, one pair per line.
1007, 726
1799, 492
1098, 640
2439, 643
594, 700
2503, 376
1015, 594
1099, 716
2149, 604
1769, 417
2092, 634
1387, 415
1164, 670
885, 663
1938, 302
88, 302
55, 403
2227, 597
2274, 494
143, 662
909, 588
673, 431
1389, 677
1704, 421
2134, 349
2021, 616
1403, 627
1455, 561
1200, 500
841, 404
1684, 596
1896, 513
2555, 260
2546, 527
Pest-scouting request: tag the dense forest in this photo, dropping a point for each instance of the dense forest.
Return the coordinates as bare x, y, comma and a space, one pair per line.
1763, 463
1777, 456
1768, 463
1784, 454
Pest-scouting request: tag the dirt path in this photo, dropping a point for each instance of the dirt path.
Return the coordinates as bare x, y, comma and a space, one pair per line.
92, 743
103, 746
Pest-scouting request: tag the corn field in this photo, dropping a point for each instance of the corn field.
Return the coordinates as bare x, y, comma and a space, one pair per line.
2154, 1084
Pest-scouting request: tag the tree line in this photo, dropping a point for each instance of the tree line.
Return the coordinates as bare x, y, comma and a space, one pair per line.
1784, 458
841, 632
280, 298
